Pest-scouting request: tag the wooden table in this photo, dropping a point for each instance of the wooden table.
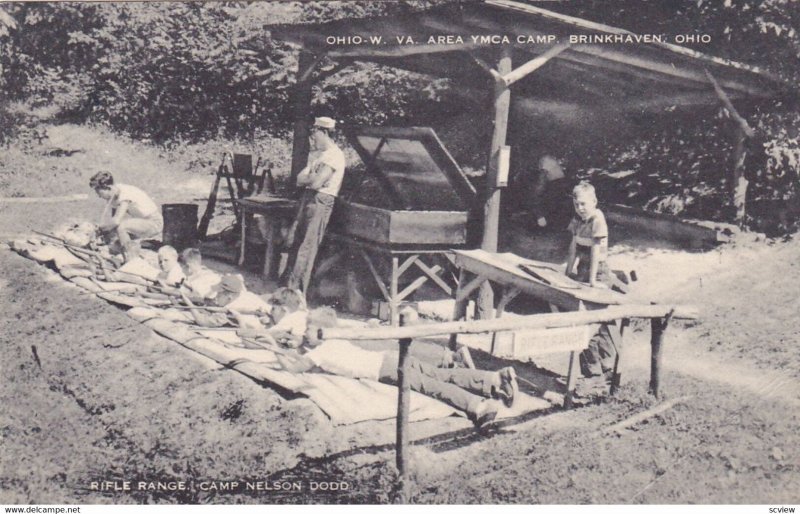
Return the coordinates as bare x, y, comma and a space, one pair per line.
544, 281
404, 258
551, 285
277, 212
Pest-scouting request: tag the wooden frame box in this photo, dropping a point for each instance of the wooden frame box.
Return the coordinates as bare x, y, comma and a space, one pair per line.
400, 227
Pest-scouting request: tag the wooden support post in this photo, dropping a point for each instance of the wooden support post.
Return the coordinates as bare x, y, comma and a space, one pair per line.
394, 301
243, 235
271, 253
302, 114
460, 308
403, 407
491, 207
616, 377
657, 328
572, 375
498, 338
739, 182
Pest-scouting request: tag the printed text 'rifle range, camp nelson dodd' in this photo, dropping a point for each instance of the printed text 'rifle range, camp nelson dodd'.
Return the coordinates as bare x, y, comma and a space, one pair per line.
518, 39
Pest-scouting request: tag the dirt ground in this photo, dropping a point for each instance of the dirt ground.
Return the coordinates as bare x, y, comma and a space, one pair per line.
90, 395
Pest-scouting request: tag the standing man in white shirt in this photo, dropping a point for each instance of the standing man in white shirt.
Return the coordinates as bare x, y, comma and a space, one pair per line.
130, 214
322, 179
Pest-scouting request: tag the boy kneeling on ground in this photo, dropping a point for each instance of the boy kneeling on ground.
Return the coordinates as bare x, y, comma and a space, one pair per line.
129, 215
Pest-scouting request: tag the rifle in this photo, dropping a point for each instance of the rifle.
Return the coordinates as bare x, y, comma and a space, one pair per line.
201, 307
202, 227
81, 252
106, 265
68, 245
266, 346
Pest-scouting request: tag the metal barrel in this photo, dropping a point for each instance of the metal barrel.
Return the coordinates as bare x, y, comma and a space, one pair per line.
180, 225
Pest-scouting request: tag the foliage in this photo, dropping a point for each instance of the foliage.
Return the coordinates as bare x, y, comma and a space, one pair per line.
762, 33
175, 70
180, 72
684, 167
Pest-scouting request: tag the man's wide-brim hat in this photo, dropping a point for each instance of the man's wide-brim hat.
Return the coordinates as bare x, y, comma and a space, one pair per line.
325, 122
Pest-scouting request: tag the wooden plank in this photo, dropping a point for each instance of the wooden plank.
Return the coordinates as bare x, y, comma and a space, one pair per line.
505, 269
402, 51
686, 73
433, 273
563, 299
410, 288
464, 292
375, 275
599, 27
548, 320
364, 221
406, 264
437, 227
534, 64
666, 226
616, 71
400, 227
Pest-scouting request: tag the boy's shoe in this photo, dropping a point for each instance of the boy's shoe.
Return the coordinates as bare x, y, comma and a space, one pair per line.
484, 414
464, 357
509, 388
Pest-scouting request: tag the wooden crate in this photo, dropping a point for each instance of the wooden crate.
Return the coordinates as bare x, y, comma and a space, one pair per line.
400, 227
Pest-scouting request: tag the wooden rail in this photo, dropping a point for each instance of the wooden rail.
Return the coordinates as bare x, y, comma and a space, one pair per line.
550, 320
660, 316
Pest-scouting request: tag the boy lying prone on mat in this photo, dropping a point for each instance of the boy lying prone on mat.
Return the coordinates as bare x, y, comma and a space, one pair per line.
473, 391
